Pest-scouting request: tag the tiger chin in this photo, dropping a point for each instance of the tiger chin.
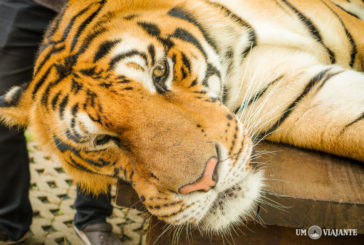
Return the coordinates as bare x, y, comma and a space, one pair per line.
167, 95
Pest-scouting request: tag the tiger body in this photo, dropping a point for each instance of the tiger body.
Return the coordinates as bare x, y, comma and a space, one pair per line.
171, 96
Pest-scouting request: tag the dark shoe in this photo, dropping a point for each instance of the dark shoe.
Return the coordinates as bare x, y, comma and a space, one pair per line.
4, 239
98, 234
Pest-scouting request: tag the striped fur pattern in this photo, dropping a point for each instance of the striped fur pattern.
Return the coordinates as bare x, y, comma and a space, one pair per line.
148, 91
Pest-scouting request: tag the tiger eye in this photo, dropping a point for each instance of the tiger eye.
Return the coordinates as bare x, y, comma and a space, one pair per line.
159, 70
102, 139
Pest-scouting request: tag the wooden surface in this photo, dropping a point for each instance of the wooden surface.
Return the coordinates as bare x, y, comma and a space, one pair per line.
253, 235
312, 175
317, 189
313, 189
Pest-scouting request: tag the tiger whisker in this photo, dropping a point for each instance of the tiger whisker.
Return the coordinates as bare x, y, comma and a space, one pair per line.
169, 226
272, 203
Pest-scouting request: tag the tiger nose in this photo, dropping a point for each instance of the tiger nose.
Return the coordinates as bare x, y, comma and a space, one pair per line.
204, 183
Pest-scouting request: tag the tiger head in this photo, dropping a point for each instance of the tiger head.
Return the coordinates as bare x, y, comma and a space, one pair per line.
133, 91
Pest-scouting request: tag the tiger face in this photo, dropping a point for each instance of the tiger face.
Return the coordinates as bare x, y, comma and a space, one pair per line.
116, 96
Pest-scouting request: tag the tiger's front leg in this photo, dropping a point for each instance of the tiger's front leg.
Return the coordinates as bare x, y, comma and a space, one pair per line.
303, 103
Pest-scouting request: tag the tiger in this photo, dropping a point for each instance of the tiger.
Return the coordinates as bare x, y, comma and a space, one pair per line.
173, 96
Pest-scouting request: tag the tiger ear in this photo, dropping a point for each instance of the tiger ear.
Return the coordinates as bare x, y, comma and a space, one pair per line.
15, 107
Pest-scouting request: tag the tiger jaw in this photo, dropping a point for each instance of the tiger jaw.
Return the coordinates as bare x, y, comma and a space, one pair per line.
217, 211
234, 205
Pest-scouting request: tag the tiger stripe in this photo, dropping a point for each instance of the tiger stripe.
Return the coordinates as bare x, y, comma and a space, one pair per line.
346, 11
186, 36
361, 117
153, 30
183, 14
354, 49
104, 49
145, 91
54, 50
253, 40
287, 112
312, 28
128, 54
257, 96
85, 23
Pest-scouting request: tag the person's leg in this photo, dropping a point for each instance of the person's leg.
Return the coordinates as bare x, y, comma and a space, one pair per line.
22, 24
15, 210
90, 219
91, 209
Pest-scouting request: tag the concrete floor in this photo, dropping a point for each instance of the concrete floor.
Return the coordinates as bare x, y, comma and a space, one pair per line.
52, 195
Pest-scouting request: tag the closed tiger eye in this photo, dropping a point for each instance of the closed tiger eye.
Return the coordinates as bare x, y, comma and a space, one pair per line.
159, 70
102, 139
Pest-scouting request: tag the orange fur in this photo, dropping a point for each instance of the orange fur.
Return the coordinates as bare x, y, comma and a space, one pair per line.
94, 78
